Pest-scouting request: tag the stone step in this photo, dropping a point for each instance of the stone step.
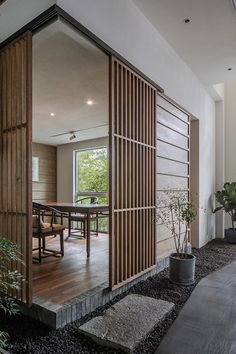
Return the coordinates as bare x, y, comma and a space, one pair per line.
128, 322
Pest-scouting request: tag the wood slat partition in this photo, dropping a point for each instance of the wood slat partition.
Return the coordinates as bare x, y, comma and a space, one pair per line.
15, 153
173, 160
132, 180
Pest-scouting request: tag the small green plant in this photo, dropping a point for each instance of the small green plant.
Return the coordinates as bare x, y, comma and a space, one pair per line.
176, 212
227, 200
9, 280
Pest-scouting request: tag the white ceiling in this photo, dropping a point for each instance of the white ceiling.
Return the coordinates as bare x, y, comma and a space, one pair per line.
68, 70
207, 44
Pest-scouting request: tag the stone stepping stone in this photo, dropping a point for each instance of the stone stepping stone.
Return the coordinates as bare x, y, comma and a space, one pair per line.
125, 324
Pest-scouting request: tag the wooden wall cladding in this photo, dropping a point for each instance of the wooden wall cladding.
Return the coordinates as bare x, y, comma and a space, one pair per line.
173, 161
46, 189
132, 181
15, 153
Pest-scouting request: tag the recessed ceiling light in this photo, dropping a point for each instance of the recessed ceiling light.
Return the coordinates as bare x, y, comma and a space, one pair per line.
52, 114
89, 102
229, 69
187, 20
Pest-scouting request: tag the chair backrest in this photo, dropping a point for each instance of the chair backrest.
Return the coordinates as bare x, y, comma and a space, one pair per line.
90, 200
41, 210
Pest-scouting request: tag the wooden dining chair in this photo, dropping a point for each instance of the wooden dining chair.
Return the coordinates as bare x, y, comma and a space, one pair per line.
42, 229
82, 219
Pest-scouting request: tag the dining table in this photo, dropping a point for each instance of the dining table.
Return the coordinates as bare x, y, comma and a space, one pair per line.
87, 209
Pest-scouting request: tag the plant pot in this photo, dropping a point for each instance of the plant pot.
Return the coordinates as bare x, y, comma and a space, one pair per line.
230, 235
182, 270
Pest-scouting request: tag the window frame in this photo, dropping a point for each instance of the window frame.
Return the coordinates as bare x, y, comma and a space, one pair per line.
76, 193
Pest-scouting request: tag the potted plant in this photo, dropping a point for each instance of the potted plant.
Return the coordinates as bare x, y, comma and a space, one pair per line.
9, 280
227, 200
176, 212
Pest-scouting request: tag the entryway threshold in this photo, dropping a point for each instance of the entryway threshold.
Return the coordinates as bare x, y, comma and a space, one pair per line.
59, 315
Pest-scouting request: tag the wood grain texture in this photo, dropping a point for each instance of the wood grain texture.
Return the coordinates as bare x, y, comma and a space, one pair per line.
132, 183
46, 189
172, 159
61, 279
15, 154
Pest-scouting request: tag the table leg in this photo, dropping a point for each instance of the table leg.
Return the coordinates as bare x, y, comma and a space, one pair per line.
88, 235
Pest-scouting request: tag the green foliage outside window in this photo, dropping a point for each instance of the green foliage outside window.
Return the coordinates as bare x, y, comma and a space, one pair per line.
92, 176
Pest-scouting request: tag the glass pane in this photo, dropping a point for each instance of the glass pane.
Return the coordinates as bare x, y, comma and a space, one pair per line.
92, 170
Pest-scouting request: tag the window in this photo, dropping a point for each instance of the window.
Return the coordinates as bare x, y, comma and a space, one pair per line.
91, 177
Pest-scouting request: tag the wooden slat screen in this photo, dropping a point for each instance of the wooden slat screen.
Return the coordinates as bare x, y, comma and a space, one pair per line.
15, 153
173, 160
132, 182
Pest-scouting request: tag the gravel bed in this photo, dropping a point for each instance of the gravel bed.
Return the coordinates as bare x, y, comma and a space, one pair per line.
29, 336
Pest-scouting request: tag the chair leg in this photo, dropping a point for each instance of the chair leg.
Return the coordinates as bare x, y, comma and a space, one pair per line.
44, 245
40, 255
85, 230
97, 225
69, 226
62, 242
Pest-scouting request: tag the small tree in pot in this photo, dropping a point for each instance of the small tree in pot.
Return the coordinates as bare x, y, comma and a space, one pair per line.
227, 200
177, 213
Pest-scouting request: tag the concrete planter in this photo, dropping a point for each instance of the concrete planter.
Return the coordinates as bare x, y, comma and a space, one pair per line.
230, 235
182, 270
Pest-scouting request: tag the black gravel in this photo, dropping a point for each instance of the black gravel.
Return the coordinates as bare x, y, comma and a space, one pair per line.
29, 336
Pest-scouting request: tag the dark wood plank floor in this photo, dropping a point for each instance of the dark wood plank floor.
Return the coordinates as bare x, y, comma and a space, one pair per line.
60, 279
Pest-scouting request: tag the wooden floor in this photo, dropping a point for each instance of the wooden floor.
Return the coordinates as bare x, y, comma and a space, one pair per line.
58, 280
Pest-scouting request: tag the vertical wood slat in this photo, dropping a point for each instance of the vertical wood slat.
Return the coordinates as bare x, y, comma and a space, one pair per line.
132, 172
15, 154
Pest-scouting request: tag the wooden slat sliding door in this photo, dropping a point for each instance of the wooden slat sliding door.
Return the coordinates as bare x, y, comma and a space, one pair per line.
132, 180
15, 153
173, 160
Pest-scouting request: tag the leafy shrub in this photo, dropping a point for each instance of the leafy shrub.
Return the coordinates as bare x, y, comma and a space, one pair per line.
9, 280
227, 200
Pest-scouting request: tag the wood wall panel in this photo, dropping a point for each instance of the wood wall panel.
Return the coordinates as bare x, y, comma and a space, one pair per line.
132, 167
172, 182
169, 106
168, 135
170, 167
166, 149
173, 161
15, 154
46, 189
171, 121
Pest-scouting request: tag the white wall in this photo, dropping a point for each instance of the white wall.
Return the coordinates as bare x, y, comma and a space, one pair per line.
220, 158
65, 166
230, 140
123, 27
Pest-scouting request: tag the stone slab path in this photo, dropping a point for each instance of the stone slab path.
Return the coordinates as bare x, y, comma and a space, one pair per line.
207, 322
127, 322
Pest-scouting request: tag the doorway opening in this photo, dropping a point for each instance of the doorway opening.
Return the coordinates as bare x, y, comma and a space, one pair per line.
70, 164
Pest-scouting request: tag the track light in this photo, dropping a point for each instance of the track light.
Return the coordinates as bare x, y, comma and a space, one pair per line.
73, 136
